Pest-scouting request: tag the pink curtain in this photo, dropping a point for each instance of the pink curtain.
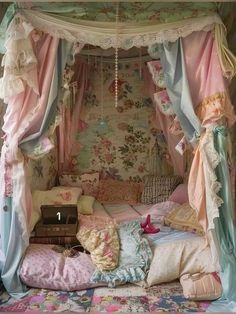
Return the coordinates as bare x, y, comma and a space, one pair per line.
164, 123
23, 117
208, 86
209, 90
25, 111
71, 123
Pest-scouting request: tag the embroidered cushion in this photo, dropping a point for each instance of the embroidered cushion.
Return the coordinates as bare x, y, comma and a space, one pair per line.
158, 189
201, 286
114, 191
85, 204
180, 194
103, 244
44, 268
184, 218
87, 181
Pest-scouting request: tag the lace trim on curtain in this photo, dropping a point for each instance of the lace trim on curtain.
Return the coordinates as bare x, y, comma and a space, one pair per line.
103, 34
211, 159
20, 63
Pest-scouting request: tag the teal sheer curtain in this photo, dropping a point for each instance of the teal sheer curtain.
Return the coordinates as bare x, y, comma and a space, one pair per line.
225, 230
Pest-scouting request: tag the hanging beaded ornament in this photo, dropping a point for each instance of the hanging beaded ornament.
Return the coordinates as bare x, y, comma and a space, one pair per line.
116, 56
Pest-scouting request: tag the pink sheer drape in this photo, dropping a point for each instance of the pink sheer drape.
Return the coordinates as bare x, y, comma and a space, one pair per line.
71, 123
164, 123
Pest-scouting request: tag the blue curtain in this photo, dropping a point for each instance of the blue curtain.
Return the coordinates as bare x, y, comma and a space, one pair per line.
172, 61
225, 231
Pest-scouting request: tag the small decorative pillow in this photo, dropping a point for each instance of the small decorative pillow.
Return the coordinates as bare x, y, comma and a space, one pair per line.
200, 286
85, 204
114, 191
163, 102
180, 194
158, 189
89, 182
103, 244
184, 218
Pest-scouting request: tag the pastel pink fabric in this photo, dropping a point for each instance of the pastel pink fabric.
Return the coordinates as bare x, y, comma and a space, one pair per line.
180, 194
23, 117
209, 92
71, 123
205, 76
44, 268
25, 111
164, 123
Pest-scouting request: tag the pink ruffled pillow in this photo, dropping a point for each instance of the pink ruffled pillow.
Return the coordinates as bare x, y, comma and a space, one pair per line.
180, 194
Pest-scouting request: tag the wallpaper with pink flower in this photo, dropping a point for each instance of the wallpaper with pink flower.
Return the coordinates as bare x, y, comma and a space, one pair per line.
118, 141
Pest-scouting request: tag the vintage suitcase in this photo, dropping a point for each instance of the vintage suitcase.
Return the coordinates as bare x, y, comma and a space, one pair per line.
57, 220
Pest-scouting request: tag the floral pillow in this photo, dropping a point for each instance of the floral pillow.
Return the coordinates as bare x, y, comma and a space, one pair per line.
89, 182
114, 191
103, 244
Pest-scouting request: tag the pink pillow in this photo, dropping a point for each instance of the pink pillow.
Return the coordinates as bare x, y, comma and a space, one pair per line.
201, 286
114, 191
180, 194
44, 268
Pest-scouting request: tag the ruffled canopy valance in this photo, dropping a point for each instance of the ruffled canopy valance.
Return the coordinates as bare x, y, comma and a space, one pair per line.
104, 34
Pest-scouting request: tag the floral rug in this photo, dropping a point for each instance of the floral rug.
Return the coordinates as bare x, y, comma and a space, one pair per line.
128, 298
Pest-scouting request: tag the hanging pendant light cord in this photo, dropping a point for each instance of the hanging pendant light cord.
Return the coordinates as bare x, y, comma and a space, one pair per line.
116, 56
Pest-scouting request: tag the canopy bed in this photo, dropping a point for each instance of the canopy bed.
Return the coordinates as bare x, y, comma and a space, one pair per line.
42, 42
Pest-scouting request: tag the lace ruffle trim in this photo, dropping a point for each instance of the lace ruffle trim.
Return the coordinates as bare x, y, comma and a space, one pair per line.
212, 160
90, 35
20, 63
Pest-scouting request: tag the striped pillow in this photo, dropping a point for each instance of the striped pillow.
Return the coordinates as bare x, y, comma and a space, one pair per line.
158, 189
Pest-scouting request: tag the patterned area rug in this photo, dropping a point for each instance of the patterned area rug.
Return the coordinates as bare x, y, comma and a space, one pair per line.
128, 298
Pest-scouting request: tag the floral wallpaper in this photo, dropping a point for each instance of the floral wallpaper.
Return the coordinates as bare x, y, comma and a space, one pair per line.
120, 142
